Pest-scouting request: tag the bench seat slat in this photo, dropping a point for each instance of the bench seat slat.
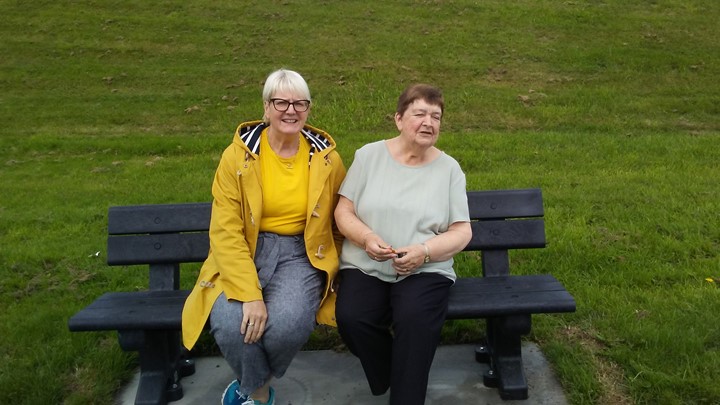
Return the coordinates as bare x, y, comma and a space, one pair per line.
521, 283
162, 310
510, 295
132, 310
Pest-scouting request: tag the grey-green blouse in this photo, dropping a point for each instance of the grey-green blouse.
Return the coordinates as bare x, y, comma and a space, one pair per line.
405, 205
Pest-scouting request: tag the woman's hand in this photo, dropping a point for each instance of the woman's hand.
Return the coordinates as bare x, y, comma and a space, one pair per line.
254, 320
376, 248
360, 234
408, 259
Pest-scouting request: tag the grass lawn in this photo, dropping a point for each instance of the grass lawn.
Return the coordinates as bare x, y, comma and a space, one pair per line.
609, 106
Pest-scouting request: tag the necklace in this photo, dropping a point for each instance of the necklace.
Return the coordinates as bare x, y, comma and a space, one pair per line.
288, 163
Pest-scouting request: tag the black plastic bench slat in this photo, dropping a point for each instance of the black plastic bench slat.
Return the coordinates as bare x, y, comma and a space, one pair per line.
159, 218
517, 234
159, 248
522, 283
132, 310
510, 295
499, 204
193, 247
148, 310
470, 298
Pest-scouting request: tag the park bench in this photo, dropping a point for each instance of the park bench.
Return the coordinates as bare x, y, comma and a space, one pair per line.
167, 235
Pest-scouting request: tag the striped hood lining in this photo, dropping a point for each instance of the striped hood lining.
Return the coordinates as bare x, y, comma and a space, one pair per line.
250, 136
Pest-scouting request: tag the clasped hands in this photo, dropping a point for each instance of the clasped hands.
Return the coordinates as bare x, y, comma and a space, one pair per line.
405, 259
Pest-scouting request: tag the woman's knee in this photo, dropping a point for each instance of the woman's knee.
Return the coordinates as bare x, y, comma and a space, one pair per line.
292, 319
287, 334
345, 315
418, 320
226, 335
225, 320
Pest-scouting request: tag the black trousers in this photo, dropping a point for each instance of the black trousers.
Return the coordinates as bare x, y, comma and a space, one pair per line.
394, 329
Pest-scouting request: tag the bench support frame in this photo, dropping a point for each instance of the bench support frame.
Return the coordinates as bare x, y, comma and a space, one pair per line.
161, 364
503, 353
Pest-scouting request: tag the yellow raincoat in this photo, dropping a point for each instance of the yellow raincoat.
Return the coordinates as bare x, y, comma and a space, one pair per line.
234, 226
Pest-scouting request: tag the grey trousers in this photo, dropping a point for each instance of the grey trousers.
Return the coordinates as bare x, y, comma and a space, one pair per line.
292, 290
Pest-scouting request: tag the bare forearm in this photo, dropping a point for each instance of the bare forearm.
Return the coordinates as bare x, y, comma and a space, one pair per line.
349, 224
447, 244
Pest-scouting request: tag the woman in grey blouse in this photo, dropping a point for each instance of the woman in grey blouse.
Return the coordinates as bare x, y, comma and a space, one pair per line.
403, 210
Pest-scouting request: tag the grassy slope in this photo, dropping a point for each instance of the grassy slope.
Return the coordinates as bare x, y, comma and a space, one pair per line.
608, 106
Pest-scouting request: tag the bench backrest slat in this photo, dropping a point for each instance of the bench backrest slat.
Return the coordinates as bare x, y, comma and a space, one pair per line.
503, 220
501, 204
159, 218
177, 233
159, 248
506, 219
519, 234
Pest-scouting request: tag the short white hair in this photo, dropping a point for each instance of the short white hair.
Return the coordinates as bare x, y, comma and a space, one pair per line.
284, 80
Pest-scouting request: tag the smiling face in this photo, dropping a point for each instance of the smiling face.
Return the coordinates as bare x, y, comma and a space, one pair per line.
288, 122
420, 122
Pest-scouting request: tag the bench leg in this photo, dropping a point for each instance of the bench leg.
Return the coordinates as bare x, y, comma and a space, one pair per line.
504, 353
185, 365
151, 388
159, 363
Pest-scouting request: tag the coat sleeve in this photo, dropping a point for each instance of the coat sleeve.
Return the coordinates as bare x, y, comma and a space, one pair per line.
339, 173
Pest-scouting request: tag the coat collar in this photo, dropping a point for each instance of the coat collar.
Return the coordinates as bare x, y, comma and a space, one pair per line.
249, 134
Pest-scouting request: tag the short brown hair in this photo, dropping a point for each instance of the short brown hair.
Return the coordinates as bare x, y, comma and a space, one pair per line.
431, 94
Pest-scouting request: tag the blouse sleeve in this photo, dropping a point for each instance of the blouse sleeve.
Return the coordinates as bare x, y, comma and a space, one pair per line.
459, 211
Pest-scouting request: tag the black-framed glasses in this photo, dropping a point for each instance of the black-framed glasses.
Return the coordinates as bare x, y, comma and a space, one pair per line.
282, 105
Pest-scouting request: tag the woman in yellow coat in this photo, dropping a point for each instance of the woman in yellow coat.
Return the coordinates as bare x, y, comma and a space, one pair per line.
273, 243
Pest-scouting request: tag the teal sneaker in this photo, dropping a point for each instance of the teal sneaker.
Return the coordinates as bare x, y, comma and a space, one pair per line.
270, 401
232, 395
